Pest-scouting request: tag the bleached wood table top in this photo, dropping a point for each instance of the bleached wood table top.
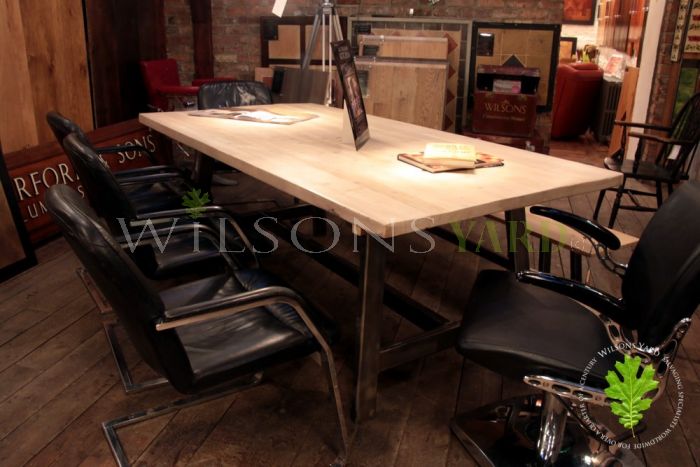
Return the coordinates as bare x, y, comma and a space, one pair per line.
371, 188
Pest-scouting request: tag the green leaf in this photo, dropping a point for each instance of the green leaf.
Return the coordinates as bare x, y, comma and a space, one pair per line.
629, 391
195, 201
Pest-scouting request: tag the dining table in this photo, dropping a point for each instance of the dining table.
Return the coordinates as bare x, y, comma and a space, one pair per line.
383, 198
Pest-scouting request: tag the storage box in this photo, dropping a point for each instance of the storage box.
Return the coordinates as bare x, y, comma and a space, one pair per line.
505, 113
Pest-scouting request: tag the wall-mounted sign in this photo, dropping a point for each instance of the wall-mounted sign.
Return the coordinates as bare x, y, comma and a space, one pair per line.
692, 39
34, 170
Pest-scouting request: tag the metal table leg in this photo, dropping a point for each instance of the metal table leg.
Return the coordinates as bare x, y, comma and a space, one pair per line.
369, 328
518, 242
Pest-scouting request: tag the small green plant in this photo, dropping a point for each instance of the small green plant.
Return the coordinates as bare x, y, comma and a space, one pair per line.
630, 391
195, 201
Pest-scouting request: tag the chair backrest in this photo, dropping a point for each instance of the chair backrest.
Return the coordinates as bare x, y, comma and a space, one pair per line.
62, 126
686, 127
662, 282
232, 94
130, 294
158, 73
99, 183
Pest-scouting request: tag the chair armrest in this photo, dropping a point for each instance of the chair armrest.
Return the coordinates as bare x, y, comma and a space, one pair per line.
587, 227
646, 126
204, 311
117, 149
208, 211
178, 90
146, 171
219, 308
149, 178
659, 139
606, 304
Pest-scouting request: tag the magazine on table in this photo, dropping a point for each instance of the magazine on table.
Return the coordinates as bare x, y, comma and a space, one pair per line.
255, 115
447, 157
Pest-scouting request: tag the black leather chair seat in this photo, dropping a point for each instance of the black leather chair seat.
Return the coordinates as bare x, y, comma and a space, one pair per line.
519, 330
153, 197
231, 346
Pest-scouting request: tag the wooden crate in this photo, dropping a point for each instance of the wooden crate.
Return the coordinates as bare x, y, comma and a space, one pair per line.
504, 114
411, 91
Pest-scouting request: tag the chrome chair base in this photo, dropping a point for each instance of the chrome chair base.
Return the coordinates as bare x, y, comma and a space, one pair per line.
110, 427
109, 322
128, 382
506, 434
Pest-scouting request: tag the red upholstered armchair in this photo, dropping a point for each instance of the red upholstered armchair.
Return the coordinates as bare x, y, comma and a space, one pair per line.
163, 82
575, 98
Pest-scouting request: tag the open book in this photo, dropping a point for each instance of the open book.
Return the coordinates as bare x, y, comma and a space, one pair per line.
255, 115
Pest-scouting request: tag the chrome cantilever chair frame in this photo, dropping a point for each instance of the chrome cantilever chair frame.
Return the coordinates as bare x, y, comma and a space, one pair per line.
242, 302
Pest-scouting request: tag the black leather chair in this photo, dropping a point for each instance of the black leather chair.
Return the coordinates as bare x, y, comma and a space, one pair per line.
674, 156
62, 126
545, 330
159, 202
143, 222
232, 94
201, 336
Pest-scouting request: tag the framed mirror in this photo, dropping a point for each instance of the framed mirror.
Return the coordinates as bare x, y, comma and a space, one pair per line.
16, 252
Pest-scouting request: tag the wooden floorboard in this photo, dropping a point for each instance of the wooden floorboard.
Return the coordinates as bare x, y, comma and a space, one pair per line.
58, 380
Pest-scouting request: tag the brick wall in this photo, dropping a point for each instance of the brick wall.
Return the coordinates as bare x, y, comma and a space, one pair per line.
236, 30
178, 29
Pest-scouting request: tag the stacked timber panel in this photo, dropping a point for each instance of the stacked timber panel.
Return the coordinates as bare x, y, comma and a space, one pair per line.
455, 32
404, 77
405, 90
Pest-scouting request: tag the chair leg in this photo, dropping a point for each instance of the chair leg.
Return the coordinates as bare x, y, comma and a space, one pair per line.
616, 204
551, 435
670, 188
109, 321
110, 427
334, 390
544, 261
659, 195
576, 265
598, 204
102, 306
123, 367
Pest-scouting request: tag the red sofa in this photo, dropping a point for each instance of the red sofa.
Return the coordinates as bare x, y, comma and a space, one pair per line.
575, 98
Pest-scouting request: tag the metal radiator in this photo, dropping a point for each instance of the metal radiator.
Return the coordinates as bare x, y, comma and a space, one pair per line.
607, 107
